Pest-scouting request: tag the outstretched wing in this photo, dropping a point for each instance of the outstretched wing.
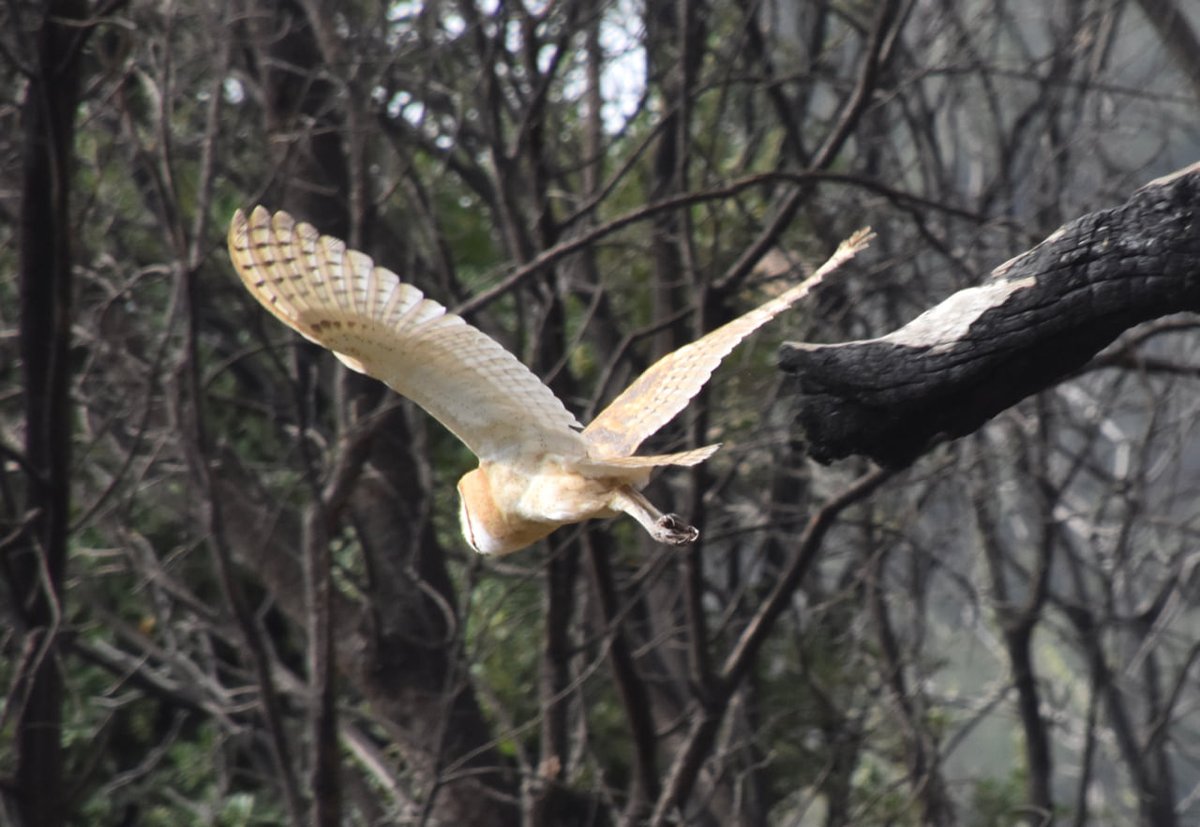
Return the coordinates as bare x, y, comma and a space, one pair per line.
380, 326
670, 383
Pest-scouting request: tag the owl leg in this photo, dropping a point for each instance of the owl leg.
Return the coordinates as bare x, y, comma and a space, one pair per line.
665, 528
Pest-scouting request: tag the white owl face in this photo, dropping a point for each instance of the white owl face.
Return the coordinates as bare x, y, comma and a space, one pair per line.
487, 528
474, 529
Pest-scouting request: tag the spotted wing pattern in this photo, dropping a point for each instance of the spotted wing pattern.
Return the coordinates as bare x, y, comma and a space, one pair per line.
380, 326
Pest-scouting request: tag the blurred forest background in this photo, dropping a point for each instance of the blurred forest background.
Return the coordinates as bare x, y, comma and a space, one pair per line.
233, 588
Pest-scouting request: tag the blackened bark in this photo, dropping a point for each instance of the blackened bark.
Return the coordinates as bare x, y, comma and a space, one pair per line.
35, 564
1038, 318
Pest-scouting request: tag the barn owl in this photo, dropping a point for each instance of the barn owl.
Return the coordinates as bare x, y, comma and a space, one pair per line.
538, 467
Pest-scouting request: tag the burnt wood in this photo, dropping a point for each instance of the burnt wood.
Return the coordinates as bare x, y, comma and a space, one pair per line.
1035, 320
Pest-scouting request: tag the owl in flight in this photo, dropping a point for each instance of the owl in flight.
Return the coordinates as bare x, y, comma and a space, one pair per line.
538, 467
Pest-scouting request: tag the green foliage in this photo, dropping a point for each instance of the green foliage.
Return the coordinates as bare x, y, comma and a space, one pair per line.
998, 802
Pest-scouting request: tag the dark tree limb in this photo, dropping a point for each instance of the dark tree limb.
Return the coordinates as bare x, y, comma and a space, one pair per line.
33, 559
1034, 321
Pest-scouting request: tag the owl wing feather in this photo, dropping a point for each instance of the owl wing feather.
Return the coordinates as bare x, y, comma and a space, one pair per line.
669, 384
378, 325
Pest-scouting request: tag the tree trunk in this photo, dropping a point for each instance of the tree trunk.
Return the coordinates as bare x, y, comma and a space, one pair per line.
35, 563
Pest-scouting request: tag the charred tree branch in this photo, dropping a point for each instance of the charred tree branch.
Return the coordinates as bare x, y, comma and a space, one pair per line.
1035, 321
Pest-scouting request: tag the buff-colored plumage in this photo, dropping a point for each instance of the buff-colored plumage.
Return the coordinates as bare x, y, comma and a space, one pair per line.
538, 467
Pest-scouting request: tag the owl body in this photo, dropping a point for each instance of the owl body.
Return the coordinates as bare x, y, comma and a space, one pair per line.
538, 467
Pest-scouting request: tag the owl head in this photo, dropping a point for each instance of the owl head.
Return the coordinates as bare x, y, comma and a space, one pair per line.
487, 528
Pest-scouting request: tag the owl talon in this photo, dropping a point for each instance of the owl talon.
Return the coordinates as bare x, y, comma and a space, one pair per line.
672, 530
